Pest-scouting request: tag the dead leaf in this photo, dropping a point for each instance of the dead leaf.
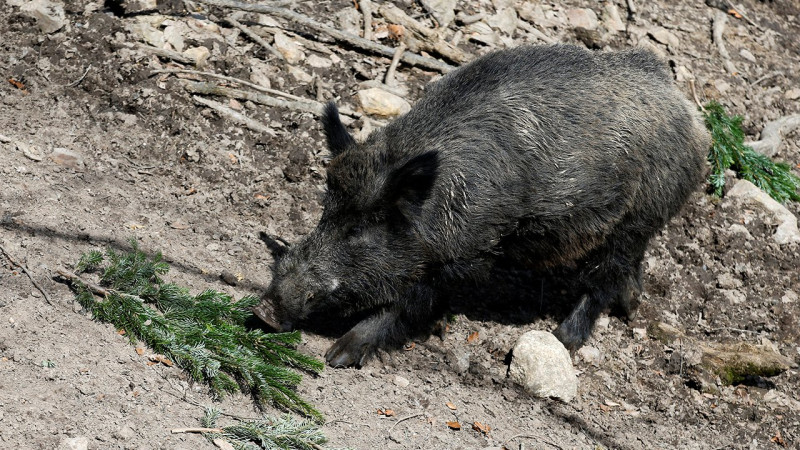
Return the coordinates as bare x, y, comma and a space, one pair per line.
262, 197
481, 428
151, 363
410, 346
396, 32
472, 337
605, 408
121, 332
139, 351
454, 425
451, 406
778, 439
386, 412
734, 13
166, 362
233, 158
19, 84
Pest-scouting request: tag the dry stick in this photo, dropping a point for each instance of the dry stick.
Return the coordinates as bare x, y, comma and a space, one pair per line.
772, 134
429, 39
535, 32
694, 95
26, 272
234, 80
531, 436
196, 430
356, 41
215, 89
94, 288
720, 19
168, 54
402, 420
389, 80
767, 76
366, 9
78, 81
235, 116
256, 38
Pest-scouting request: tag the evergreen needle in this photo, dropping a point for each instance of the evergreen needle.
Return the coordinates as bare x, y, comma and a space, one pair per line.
204, 334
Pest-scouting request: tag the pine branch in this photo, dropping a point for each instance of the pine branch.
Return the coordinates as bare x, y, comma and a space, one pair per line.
203, 334
266, 433
728, 151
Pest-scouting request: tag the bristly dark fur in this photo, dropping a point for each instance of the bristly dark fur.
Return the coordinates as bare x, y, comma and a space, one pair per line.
547, 155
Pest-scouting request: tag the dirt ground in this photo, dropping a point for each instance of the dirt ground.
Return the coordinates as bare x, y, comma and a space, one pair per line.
148, 162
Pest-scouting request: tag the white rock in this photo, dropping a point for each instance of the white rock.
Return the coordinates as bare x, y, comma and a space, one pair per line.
482, 32
442, 10
728, 281
349, 19
683, 74
259, 73
582, 18
746, 192
738, 228
174, 33
381, 103
198, 54
401, 381
542, 365
290, 49
149, 34
590, 354
49, 15
744, 53
789, 297
299, 74
505, 20
664, 36
318, 61
611, 18
792, 94
76, 443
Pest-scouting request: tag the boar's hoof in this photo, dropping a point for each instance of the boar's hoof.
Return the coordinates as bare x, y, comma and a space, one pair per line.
572, 337
349, 350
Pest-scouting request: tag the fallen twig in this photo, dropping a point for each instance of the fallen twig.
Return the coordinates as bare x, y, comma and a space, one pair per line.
26, 272
93, 288
694, 95
311, 106
772, 134
256, 38
766, 77
356, 41
536, 32
720, 20
196, 430
78, 81
398, 422
389, 79
235, 116
366, 9
421, 36
168, 54
531, 436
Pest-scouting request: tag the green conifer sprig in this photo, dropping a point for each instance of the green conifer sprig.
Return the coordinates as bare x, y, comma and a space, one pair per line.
203, 334
284, 433
728, 151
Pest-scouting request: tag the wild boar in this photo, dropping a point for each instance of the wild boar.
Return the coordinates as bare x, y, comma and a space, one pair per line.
545, 155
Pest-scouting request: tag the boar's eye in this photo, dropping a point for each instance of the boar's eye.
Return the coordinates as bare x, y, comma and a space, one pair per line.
354, 231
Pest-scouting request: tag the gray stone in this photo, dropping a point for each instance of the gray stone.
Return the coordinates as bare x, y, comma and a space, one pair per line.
318, 61
744, 53
505, 20
582, 18
290, 49
542, 365
349, 19
49, 15
198, 54
590, 355
442, 10
381, 103
664, 36
745, 192
728, 281
76, 443
611, 18
792, 94
401, 381
458, 360
124, 433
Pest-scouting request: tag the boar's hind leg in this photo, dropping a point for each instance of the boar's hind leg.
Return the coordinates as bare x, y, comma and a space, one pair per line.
612, 278
391, 327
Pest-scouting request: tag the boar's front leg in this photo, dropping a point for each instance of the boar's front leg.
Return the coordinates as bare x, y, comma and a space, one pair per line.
612, 277
392, 326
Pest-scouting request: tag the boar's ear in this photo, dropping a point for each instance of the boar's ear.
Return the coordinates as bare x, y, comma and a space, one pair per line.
414, 180
338, 137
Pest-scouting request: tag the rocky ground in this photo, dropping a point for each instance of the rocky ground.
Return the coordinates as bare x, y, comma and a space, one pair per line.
97, 148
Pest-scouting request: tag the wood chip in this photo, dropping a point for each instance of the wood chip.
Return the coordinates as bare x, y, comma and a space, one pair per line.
472, 337
454, 425
139, 351
451, 406
481, 428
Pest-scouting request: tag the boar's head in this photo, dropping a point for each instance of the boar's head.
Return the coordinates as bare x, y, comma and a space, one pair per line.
367, 247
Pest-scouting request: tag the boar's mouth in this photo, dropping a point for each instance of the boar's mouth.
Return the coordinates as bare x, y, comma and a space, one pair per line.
266, 312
